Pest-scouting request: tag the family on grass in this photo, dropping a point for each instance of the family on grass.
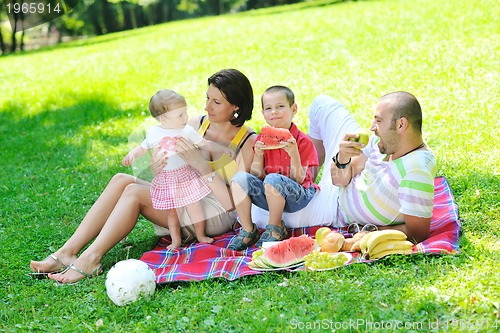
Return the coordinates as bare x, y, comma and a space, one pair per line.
213, 171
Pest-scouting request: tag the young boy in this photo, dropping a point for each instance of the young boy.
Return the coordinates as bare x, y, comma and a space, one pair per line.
280, 180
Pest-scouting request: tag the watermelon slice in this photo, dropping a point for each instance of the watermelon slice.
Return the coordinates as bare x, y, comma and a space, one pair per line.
288, 252
273, 136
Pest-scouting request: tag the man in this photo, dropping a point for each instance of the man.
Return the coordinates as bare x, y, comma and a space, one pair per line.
390, 182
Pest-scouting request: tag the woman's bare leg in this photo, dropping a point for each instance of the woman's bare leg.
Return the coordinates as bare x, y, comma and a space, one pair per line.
135, 200
90, 226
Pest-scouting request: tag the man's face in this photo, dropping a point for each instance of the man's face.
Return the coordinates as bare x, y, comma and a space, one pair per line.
385, 128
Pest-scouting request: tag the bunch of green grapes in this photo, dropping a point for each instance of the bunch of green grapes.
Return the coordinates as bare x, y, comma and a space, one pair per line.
324, 260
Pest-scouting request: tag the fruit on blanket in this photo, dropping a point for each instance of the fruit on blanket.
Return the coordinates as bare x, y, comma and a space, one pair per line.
379, 236
390, 245
257, 254
351, 244
320, 234
363, 137
129, 280
288, 252
332, 242
272, 136
388, 252
378, 244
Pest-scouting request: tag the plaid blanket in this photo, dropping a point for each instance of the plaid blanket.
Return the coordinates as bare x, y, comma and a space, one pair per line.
202, 261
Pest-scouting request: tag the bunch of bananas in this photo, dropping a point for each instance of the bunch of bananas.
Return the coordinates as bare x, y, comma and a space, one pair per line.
378, 244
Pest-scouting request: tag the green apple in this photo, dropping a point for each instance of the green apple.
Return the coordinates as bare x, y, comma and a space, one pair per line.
320, 234
363, 137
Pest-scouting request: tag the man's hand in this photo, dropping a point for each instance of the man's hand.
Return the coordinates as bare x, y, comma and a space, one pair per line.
349, 149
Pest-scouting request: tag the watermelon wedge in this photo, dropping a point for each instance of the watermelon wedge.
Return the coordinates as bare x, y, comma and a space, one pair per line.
273, 136
288, 252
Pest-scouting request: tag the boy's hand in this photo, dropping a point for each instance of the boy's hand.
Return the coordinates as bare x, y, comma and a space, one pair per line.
290, 146
128, 160
258, 145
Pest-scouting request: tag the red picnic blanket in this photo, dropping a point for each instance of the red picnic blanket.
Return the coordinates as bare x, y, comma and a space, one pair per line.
200, 261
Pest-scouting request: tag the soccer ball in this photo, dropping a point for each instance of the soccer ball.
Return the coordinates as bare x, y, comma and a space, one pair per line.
129, 280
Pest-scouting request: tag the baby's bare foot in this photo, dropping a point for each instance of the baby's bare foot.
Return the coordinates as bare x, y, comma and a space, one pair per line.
174, 245
205, 239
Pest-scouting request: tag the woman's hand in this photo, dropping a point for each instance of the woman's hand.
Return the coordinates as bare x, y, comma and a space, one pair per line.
188, 152
158, 160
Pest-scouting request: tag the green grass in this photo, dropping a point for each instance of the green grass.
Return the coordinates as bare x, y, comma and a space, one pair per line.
66, 114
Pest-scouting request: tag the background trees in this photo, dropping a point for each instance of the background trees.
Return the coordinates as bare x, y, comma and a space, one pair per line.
99, 17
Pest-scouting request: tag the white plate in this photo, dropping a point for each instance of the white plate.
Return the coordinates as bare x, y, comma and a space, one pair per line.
349, 260
265, 245
276, 268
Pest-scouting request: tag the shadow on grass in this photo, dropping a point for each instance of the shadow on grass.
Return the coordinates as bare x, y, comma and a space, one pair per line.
55, 165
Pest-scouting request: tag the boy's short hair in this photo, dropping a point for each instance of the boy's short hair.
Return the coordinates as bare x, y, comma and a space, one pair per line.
285, 90
164, 101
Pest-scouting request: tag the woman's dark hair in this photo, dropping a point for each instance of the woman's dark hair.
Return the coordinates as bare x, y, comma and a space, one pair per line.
237, 90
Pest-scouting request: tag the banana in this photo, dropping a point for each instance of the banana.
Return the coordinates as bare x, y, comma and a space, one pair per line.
390, 245
385, 253
363, 241
379, 236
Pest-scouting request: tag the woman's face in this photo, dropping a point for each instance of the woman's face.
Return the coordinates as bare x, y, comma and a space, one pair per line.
218, 108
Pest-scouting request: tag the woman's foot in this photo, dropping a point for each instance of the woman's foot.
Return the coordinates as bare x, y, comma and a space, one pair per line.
78, 270
56, 262
205, 239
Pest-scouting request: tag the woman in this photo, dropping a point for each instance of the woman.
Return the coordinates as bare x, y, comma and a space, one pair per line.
113, 216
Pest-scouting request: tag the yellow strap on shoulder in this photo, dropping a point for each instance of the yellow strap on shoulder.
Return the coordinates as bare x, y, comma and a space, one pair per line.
237, 138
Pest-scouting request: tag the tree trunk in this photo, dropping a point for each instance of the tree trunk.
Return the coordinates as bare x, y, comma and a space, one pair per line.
109, 16
2, 44
21, 45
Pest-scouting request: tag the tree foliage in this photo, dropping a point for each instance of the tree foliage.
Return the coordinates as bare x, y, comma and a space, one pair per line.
99, 17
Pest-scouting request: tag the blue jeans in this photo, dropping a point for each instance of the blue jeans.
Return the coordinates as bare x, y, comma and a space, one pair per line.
296, 196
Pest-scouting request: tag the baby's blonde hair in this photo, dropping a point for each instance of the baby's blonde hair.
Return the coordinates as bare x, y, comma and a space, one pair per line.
163, 101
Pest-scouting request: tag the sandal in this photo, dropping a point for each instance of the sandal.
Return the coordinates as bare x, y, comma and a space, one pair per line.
41, 275
237, 243
96, 272
354, 228
267, 236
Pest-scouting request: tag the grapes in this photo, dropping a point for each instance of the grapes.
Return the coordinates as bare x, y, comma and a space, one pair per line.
324, 260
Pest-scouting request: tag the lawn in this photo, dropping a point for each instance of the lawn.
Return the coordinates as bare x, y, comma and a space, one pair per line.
67, 113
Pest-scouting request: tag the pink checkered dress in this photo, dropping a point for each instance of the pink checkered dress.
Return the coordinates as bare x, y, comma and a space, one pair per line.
178, 188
